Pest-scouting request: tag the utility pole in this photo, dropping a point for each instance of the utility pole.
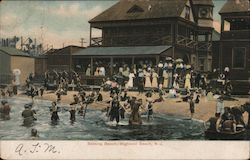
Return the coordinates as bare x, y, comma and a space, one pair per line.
82, 42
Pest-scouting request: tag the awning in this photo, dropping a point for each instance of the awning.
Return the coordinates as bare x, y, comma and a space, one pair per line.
124, 51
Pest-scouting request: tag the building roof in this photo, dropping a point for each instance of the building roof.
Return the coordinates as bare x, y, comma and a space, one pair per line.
13, 52
203, 2
141, 9
63, 50
232, 6
124, 51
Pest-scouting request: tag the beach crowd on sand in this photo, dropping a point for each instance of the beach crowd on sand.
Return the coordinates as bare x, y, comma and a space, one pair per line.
154, 84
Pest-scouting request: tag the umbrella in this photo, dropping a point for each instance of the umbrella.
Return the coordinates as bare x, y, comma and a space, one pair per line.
168, 58
16, 72
78, 66
178, 60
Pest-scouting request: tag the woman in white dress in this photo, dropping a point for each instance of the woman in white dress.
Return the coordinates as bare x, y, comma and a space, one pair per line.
187, 81
165, 76
148, 79
131, 80
155, 78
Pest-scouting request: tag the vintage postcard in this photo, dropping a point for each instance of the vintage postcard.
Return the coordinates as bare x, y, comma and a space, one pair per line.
125, 79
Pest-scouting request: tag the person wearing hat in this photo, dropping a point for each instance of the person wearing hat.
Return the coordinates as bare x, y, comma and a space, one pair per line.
155, 79
5, 110
187, 81
131, 77
135, 117
148, 78
28, 115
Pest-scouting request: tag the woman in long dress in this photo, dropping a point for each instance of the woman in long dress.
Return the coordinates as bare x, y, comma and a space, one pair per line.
165, 76
148, 79
154, 81
187, 81
131, 80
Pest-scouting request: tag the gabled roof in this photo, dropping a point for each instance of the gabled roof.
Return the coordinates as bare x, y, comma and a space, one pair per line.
232, 6
203, 2
151, 9
124, 51
13, 52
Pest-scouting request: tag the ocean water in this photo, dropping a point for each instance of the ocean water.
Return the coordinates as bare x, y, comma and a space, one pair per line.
95, 126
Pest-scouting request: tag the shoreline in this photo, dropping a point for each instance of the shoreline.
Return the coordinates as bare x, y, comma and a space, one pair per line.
170, 106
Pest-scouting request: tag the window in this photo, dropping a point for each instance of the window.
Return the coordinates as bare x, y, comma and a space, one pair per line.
239, 57
135, 9
187, 12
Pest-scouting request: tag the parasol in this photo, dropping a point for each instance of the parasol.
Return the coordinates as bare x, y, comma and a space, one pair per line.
179, 60
168, 58
16, 72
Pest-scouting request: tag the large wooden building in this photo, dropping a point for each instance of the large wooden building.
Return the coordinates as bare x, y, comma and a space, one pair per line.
184, 27
234, 42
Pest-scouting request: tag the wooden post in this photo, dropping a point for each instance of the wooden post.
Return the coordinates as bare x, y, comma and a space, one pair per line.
91, 66
112, 64
90, 35
222, 24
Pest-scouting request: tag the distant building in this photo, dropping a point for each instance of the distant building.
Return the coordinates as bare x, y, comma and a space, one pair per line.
10, 59
234, 46
61, 59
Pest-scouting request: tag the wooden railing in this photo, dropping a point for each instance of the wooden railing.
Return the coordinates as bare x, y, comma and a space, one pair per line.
204, 46
185, 41
96, 41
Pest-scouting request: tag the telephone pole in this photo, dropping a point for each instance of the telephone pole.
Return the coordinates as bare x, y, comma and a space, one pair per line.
82, 42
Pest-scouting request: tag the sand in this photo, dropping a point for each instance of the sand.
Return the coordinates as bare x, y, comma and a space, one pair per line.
203, 111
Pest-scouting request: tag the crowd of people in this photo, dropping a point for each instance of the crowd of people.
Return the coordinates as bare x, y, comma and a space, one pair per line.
168, 79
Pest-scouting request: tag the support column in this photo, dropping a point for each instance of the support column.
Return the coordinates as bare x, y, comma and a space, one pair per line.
91, 66
133, 61
112, 64
90, 35
222, 25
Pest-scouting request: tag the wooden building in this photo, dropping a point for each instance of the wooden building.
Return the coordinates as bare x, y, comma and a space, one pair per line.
184, 25
41, 64
10, 59
235, 39
61, 59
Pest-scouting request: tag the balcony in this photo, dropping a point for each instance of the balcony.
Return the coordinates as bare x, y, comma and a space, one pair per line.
235, 34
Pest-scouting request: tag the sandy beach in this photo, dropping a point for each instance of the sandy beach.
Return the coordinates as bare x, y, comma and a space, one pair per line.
170, 106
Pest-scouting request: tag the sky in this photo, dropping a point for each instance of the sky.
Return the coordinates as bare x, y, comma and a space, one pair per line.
58, 23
